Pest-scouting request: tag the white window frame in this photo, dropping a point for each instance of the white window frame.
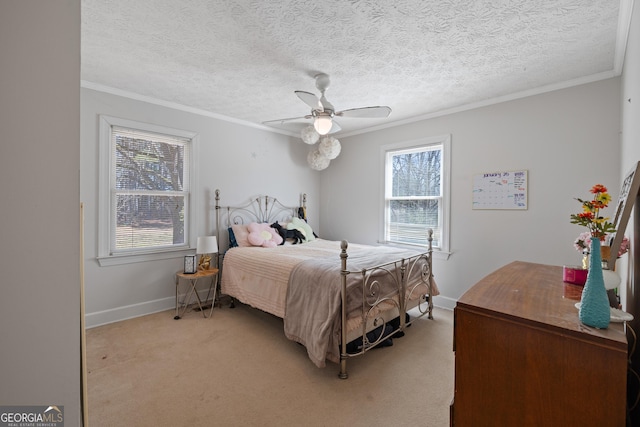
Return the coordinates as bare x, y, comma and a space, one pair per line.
443, 250
106, 217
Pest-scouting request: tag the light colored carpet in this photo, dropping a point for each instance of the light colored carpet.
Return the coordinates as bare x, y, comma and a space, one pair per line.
238, 369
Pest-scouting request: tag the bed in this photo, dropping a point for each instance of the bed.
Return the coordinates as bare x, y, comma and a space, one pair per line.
337, 299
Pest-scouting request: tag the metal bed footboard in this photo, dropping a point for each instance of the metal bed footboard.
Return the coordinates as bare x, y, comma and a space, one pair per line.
413, 287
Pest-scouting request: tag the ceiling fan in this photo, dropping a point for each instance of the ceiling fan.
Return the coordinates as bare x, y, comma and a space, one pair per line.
323, 112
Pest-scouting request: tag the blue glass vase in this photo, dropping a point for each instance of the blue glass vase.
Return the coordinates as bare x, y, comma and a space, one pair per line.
594, 306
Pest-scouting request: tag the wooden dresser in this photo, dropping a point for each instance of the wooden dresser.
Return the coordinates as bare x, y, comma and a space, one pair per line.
522, 357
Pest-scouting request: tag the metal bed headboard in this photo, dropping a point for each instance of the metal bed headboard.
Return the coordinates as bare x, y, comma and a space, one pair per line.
261, 209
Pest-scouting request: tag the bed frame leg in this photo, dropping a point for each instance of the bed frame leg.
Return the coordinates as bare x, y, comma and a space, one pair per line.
343, 369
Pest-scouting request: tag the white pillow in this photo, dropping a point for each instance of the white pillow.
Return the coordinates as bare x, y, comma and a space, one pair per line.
303, 227
241, 233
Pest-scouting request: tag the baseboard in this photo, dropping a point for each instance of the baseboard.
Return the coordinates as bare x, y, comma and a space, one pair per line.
100, 318
444, 302
118, 314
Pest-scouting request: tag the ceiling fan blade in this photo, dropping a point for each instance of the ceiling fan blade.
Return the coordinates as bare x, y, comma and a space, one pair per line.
283, 121
293, 124
335, 127
366, 112
326, 105
310, 99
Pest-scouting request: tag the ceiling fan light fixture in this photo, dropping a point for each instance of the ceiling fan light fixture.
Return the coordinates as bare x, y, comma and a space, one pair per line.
329, 147
323, 124
317, 161
309, 135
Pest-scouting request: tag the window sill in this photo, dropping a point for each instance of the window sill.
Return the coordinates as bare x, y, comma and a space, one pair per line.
109, 260
441, 255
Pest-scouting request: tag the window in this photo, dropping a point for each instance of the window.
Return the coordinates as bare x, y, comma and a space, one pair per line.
416, 192
145, 189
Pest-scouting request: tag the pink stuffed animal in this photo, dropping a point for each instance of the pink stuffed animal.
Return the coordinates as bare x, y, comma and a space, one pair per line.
263, 235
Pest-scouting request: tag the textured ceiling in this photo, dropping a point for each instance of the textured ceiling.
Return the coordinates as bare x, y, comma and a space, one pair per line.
244, 58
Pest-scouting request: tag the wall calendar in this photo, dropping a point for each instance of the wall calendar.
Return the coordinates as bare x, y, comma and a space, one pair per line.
500, 190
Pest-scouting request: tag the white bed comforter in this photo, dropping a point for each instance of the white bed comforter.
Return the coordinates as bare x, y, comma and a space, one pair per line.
259, 276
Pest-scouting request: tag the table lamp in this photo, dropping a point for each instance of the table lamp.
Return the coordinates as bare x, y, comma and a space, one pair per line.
206, 245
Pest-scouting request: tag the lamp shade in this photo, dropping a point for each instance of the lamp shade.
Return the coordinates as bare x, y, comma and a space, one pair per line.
323, 124
611, 279
207, 245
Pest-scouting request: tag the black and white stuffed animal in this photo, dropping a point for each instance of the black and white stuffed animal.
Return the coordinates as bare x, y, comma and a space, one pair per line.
296, 235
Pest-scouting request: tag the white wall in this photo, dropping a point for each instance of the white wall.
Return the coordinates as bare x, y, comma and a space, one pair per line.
629, 265
239, 160
568, 140
39, 231
630, 155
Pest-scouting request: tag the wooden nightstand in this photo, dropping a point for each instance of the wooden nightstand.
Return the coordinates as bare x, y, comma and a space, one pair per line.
193, 281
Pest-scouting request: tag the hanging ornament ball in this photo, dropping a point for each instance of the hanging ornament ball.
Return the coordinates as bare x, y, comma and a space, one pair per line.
329, 147
309, 135
317, 161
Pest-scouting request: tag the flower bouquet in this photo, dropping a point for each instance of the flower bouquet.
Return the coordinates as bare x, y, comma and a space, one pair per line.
594, 308
583, 244
597, 226
590, 217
